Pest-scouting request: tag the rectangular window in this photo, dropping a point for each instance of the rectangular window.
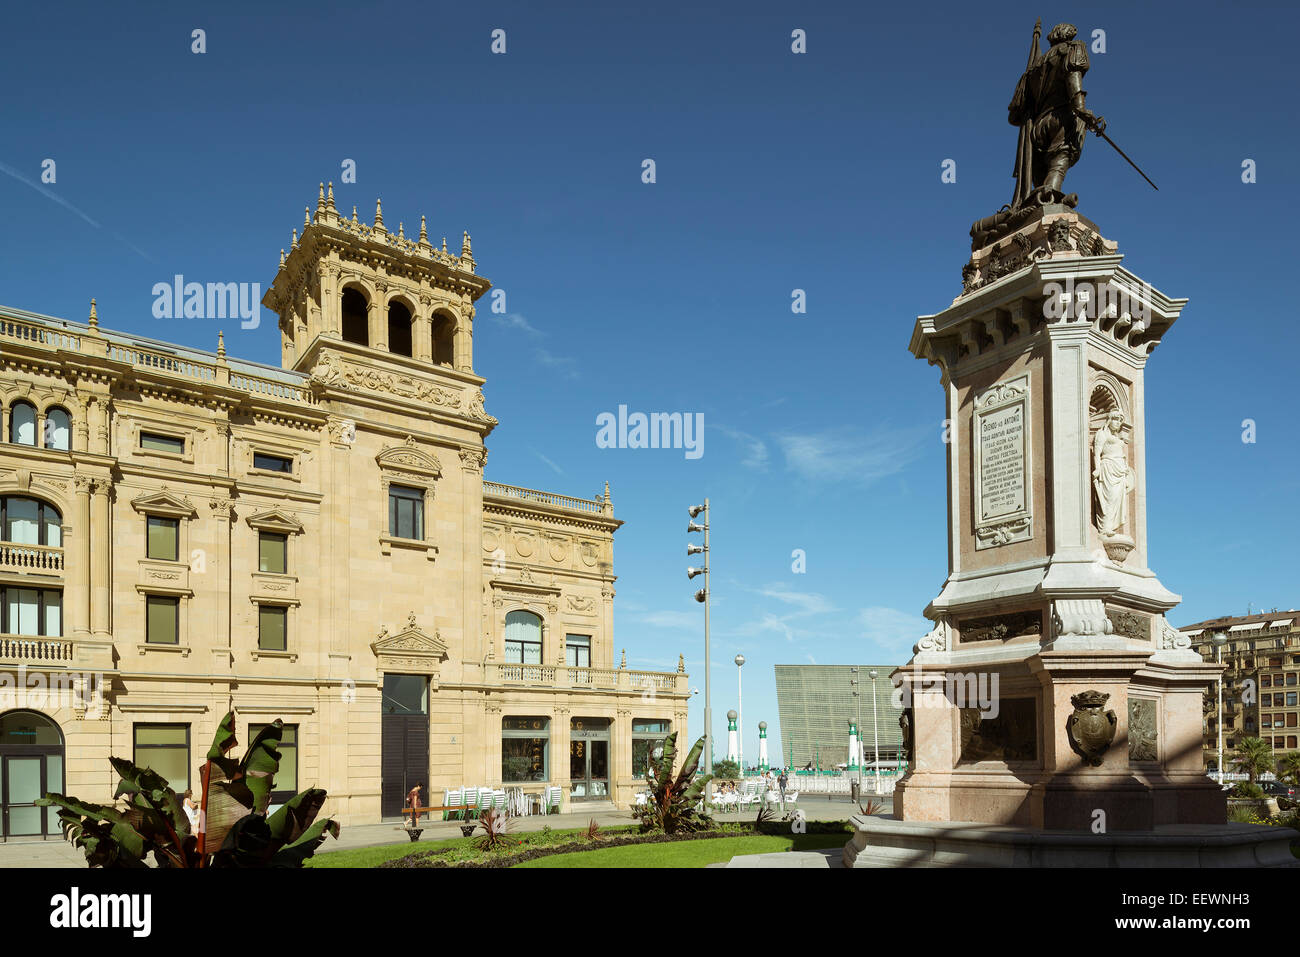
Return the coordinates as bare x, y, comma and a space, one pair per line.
1290, 679
272, 463
523, 652
647, 734
31, 611
1266, 701
163, 538
272, 552
272, 625
406, 512
162, 624
162, 443
525, 744
1266, 681
166, 749
577, 651
286, 776
1290, 699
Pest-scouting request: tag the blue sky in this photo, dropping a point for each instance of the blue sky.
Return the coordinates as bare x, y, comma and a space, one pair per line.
775, 171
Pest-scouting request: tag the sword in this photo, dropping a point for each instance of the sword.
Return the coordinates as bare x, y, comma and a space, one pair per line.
1126, 159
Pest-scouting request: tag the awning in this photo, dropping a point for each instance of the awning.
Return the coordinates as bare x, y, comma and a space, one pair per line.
1192, 632
1249, 626
1283, 623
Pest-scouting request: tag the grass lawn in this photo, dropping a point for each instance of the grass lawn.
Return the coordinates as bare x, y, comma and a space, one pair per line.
372, 856
689, 853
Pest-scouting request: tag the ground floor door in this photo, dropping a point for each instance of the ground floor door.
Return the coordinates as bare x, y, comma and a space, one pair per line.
31, 765
404, 756
589, 759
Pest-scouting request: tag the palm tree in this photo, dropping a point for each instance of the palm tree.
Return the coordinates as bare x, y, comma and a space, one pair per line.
1288, 766
1254, 756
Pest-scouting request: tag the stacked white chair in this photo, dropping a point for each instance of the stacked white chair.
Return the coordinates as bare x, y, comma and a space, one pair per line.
452, 800
471, 802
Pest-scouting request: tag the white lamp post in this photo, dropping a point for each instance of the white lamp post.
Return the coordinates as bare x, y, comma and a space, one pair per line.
1220, 638
703, 596
875, 730
740, 725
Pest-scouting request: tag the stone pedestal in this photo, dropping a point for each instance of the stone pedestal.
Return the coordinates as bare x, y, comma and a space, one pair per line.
1052, 695
883, 842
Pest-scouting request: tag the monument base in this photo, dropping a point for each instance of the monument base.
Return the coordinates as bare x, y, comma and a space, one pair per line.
886, 842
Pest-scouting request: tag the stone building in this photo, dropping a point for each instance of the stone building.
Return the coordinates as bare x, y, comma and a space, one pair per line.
183, 533
1261, 678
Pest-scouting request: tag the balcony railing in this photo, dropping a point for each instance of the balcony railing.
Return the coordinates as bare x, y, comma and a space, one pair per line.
242, 376
545, 498
30, 558
22, 648
606, 679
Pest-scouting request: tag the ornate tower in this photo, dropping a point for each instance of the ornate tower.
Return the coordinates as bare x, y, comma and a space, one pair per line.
351, 289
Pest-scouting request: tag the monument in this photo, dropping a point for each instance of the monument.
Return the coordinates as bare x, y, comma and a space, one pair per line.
1052, 716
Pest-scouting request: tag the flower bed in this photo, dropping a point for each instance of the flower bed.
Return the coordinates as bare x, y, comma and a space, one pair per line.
439, 857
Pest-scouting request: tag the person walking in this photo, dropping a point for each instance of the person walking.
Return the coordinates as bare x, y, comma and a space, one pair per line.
413, 801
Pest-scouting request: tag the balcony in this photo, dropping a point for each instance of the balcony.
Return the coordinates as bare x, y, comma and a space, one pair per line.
29, 649
562, 677
42, 559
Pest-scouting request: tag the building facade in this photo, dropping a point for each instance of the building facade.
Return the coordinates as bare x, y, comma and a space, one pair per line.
1261, 680
817, 706
183, 534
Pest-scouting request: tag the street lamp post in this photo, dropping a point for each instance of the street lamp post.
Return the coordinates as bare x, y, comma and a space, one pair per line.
703, 596
740, 711
857, 728
875, 730
1220, 639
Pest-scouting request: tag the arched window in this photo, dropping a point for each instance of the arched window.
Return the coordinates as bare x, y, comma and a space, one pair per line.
22, 423
28, 521
444, 332
523, 638
399, 329
58, 429
356, 321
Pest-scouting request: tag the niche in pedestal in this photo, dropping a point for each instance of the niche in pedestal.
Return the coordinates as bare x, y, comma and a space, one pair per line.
1010, 736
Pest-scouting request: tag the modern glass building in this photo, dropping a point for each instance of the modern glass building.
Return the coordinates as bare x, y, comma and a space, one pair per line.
816, 705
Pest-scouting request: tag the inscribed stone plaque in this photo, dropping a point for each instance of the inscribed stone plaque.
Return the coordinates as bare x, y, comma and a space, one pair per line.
1010, 736
1001, 464
1142, 733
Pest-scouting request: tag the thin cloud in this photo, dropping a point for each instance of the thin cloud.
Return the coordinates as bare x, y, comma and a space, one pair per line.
518, 321
808, 603
561, 364
893, 630
558, 470
754, 449
670, 619
850, 455
55, 197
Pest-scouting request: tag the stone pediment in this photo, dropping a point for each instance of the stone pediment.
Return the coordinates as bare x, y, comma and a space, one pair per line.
410, 649
409, 457
164, 502
275, 520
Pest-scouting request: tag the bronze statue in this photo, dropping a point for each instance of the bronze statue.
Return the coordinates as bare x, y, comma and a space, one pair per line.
1050, 107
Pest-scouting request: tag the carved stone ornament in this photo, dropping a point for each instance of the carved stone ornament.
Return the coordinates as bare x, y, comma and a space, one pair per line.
409, 457
936, 640
1079, 617
1143, 733
1173, 640
1001, 627
1090, 729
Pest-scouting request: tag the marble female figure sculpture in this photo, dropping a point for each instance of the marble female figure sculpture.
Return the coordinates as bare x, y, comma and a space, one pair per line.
1112, 477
